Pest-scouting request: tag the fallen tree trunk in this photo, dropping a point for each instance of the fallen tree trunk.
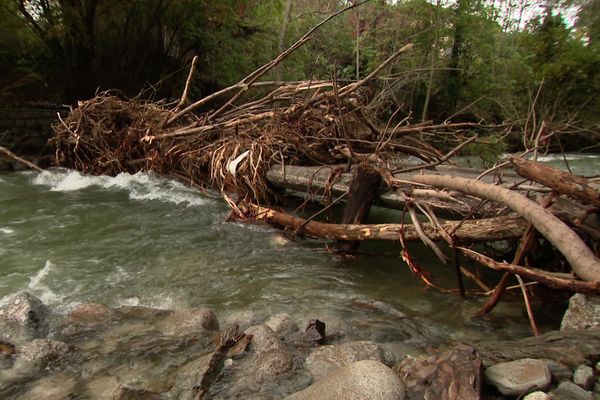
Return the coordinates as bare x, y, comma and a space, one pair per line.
571, 348
534, 274
469, 231
573, 186
583, 261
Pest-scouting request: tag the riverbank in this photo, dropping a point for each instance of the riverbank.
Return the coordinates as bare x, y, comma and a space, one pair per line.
97, 352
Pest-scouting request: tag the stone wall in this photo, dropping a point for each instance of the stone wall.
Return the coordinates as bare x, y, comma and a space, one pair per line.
26, 131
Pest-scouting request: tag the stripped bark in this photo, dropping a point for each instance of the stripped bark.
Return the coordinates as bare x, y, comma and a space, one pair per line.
470, 231
583, 261
573, 186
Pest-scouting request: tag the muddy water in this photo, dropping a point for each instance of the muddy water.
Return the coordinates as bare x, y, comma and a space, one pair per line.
139, 240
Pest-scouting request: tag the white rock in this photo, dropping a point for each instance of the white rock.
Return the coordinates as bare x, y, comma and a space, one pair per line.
517, 377
189, 320
282, 324
364, 380
537, 396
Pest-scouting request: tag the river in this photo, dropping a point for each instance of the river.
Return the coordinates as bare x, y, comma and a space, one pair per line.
140, 240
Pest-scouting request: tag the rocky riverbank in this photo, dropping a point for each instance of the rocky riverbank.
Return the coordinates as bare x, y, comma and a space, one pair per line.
97, 352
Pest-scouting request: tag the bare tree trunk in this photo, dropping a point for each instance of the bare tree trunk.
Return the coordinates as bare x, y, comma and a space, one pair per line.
582, 259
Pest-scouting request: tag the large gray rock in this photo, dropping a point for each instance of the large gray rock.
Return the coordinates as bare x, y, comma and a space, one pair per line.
570, 391
263, 339
272, 363
364, 380
282, 324
451, 375
189, 320
41, 352
326, 359
24, 308
583, 312
272, 357
520, 376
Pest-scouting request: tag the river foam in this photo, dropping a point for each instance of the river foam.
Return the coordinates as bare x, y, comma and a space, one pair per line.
141, 186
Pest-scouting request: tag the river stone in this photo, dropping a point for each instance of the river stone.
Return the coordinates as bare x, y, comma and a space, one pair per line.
55, 387
537, 396
263, 339
365, 380
102, 388
454, 374
326, 359
583, 312
271, 363
559, 371
520, 376
584, 377
41, 352
26, 309
189, 320
570, 391
281, 324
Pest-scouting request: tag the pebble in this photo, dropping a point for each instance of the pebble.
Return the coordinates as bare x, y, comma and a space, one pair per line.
570, 391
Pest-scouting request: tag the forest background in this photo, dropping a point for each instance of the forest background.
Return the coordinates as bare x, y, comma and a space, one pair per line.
531, 64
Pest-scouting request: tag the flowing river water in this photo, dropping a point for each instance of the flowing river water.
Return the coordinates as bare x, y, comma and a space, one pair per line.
140, 240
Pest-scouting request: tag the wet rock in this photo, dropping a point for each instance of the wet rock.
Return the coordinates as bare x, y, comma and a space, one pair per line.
127, 393
55, 387
326, 359
584, 377
455, 374
537, 396
378, 306
570, 391
520, 376
189, 320
365, 380
263, 339
27, 311
559, 372
583, 312
282, 324
240, 347
84, 317
42, 352
315, 332
272, 363
102, 388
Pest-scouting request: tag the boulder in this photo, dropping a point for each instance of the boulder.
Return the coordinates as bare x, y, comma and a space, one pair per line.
281, 324
189, 320
583, 312
26, 311
326, 359
272, 363
584, 377
365, 380
84, 317
263, 339
452, 375
42, 352
570, 391
517, 377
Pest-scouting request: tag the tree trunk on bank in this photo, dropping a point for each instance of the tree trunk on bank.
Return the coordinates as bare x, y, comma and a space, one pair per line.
583, 261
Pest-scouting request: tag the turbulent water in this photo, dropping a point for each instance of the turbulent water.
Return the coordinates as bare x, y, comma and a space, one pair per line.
142, 240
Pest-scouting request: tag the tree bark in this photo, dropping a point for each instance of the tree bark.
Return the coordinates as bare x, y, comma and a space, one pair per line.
363, 189
582, 259
576, 187
469, 231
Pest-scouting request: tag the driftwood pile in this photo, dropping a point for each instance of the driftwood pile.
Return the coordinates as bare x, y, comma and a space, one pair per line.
237, 140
